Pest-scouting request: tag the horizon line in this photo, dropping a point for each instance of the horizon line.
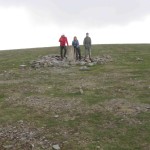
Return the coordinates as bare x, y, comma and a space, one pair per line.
23, 48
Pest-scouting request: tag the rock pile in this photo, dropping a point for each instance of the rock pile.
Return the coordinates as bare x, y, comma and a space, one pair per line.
56, 61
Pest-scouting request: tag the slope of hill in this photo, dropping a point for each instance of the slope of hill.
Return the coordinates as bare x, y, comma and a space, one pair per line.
106, 107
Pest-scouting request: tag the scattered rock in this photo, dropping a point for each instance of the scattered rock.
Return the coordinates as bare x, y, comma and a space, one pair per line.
139, 59
84, 68
22, 67
7, 146
82, 63
90, 64
56, 147
98, 147
56, 116
81, 90
148, 107
20, 121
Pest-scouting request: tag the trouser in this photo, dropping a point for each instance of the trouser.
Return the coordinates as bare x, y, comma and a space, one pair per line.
77, 53
88, 52
63, 51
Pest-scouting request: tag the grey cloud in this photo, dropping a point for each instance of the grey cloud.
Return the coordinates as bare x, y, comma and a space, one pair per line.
85, 12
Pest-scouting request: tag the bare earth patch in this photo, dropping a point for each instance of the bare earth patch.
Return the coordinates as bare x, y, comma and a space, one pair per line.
67, 109
124, 107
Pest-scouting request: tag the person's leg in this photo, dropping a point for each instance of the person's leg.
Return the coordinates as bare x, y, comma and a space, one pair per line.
61, 51
65, 51
89, 53
79, 53
75, 53
86, 52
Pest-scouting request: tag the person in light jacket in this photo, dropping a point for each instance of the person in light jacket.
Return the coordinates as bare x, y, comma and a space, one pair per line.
87, 45
75, 44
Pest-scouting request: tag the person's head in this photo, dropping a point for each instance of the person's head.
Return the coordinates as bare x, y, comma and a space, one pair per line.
75, 38
87, 34
62, 35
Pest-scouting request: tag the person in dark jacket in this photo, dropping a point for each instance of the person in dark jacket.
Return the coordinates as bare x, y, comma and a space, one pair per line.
87, 45
63, 42
75, 44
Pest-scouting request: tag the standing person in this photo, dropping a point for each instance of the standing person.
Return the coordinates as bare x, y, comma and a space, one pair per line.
75, 44
63, 41
87, 46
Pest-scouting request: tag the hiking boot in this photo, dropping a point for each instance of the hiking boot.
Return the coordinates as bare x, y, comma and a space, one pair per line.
91, 60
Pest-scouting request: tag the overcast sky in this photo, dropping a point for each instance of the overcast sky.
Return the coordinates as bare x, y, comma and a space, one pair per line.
40, 23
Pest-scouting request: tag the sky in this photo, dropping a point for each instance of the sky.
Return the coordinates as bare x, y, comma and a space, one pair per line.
40, 23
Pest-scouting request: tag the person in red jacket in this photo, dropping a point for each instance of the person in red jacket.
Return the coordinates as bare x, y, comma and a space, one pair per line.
63, 41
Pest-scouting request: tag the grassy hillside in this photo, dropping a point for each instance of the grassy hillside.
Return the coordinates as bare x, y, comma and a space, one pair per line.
43, 107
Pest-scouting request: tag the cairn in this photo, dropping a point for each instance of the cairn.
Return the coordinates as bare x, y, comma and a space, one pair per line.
71, 55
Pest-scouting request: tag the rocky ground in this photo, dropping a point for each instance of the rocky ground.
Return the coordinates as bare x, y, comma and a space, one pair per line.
24, 135
56, 61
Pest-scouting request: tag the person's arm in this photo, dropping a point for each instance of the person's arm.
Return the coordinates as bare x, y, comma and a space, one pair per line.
77, 43
59, 39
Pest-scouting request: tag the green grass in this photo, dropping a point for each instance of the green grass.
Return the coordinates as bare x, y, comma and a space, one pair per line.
89, 124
